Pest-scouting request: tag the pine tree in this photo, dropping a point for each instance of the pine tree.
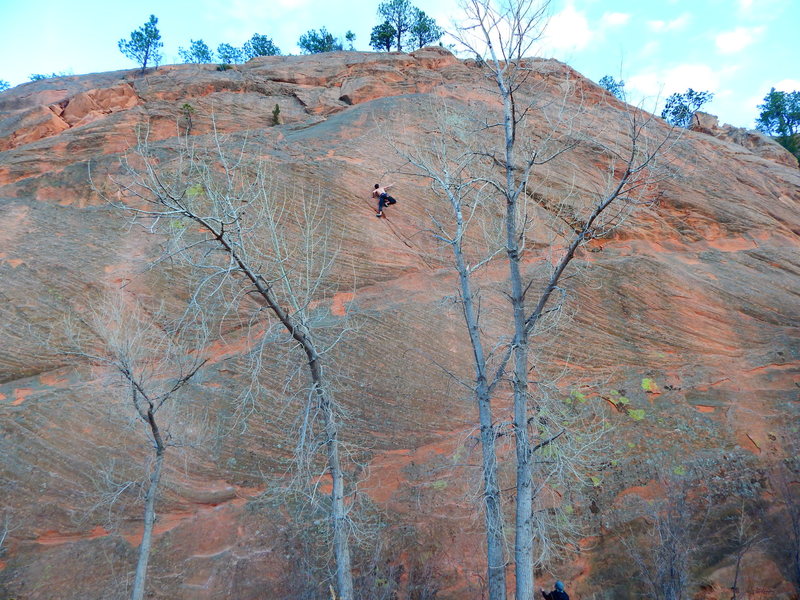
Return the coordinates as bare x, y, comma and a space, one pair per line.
143, 45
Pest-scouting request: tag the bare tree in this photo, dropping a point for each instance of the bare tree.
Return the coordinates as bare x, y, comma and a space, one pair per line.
5, 528
673, 530
785, 479
479, 165
154, 358
246, 234
744, 538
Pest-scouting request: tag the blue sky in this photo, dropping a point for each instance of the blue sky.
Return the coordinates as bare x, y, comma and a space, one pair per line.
737, 49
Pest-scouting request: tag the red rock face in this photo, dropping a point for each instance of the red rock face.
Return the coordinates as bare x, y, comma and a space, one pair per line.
690, 308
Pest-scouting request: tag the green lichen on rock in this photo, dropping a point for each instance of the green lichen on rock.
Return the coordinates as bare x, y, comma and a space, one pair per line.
575, 396
649, 386
637, 414
618, 399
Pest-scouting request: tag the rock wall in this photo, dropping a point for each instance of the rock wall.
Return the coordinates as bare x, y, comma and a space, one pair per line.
754, 141
689, 309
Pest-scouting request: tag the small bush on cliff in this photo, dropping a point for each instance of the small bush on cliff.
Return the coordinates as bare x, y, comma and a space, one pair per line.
780, 117
315, 42
608, 83
382, 37
198, 52
229, 54
4, 85
143, 45
680, 108
260, 45
41, 76
187, 110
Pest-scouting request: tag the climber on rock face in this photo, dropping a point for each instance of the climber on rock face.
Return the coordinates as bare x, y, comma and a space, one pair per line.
383, 198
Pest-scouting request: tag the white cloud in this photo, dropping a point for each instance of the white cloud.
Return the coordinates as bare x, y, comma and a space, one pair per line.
650, 48
447, 14
676, 79
647, 84
761, 9
740, 38
615, 19
245, 10
788, 85
650, 89
698, 77
676, 24
568, 30
752, 101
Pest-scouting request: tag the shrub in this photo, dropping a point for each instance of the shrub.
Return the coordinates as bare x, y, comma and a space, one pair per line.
780, 117
608, 83
229, 54
198, 52
41, 76
260, 45
680, 108
314, 42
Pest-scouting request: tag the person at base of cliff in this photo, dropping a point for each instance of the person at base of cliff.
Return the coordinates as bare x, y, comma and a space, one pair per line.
383, 198
557, 594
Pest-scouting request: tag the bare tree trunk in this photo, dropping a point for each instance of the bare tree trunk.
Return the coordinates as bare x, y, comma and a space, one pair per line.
140, 578
339, 523
523, 538
4, 532
341, 548
486, 169
744, 541
223, 219
495, 546
793, 508
453, 188
784, 478
523, 524
155, 363
735, 586
301, 334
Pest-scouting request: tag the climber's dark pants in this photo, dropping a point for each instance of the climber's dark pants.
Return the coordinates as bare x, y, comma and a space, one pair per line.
384, 200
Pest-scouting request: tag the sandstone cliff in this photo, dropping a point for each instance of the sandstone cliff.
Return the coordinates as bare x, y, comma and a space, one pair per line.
690, 309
